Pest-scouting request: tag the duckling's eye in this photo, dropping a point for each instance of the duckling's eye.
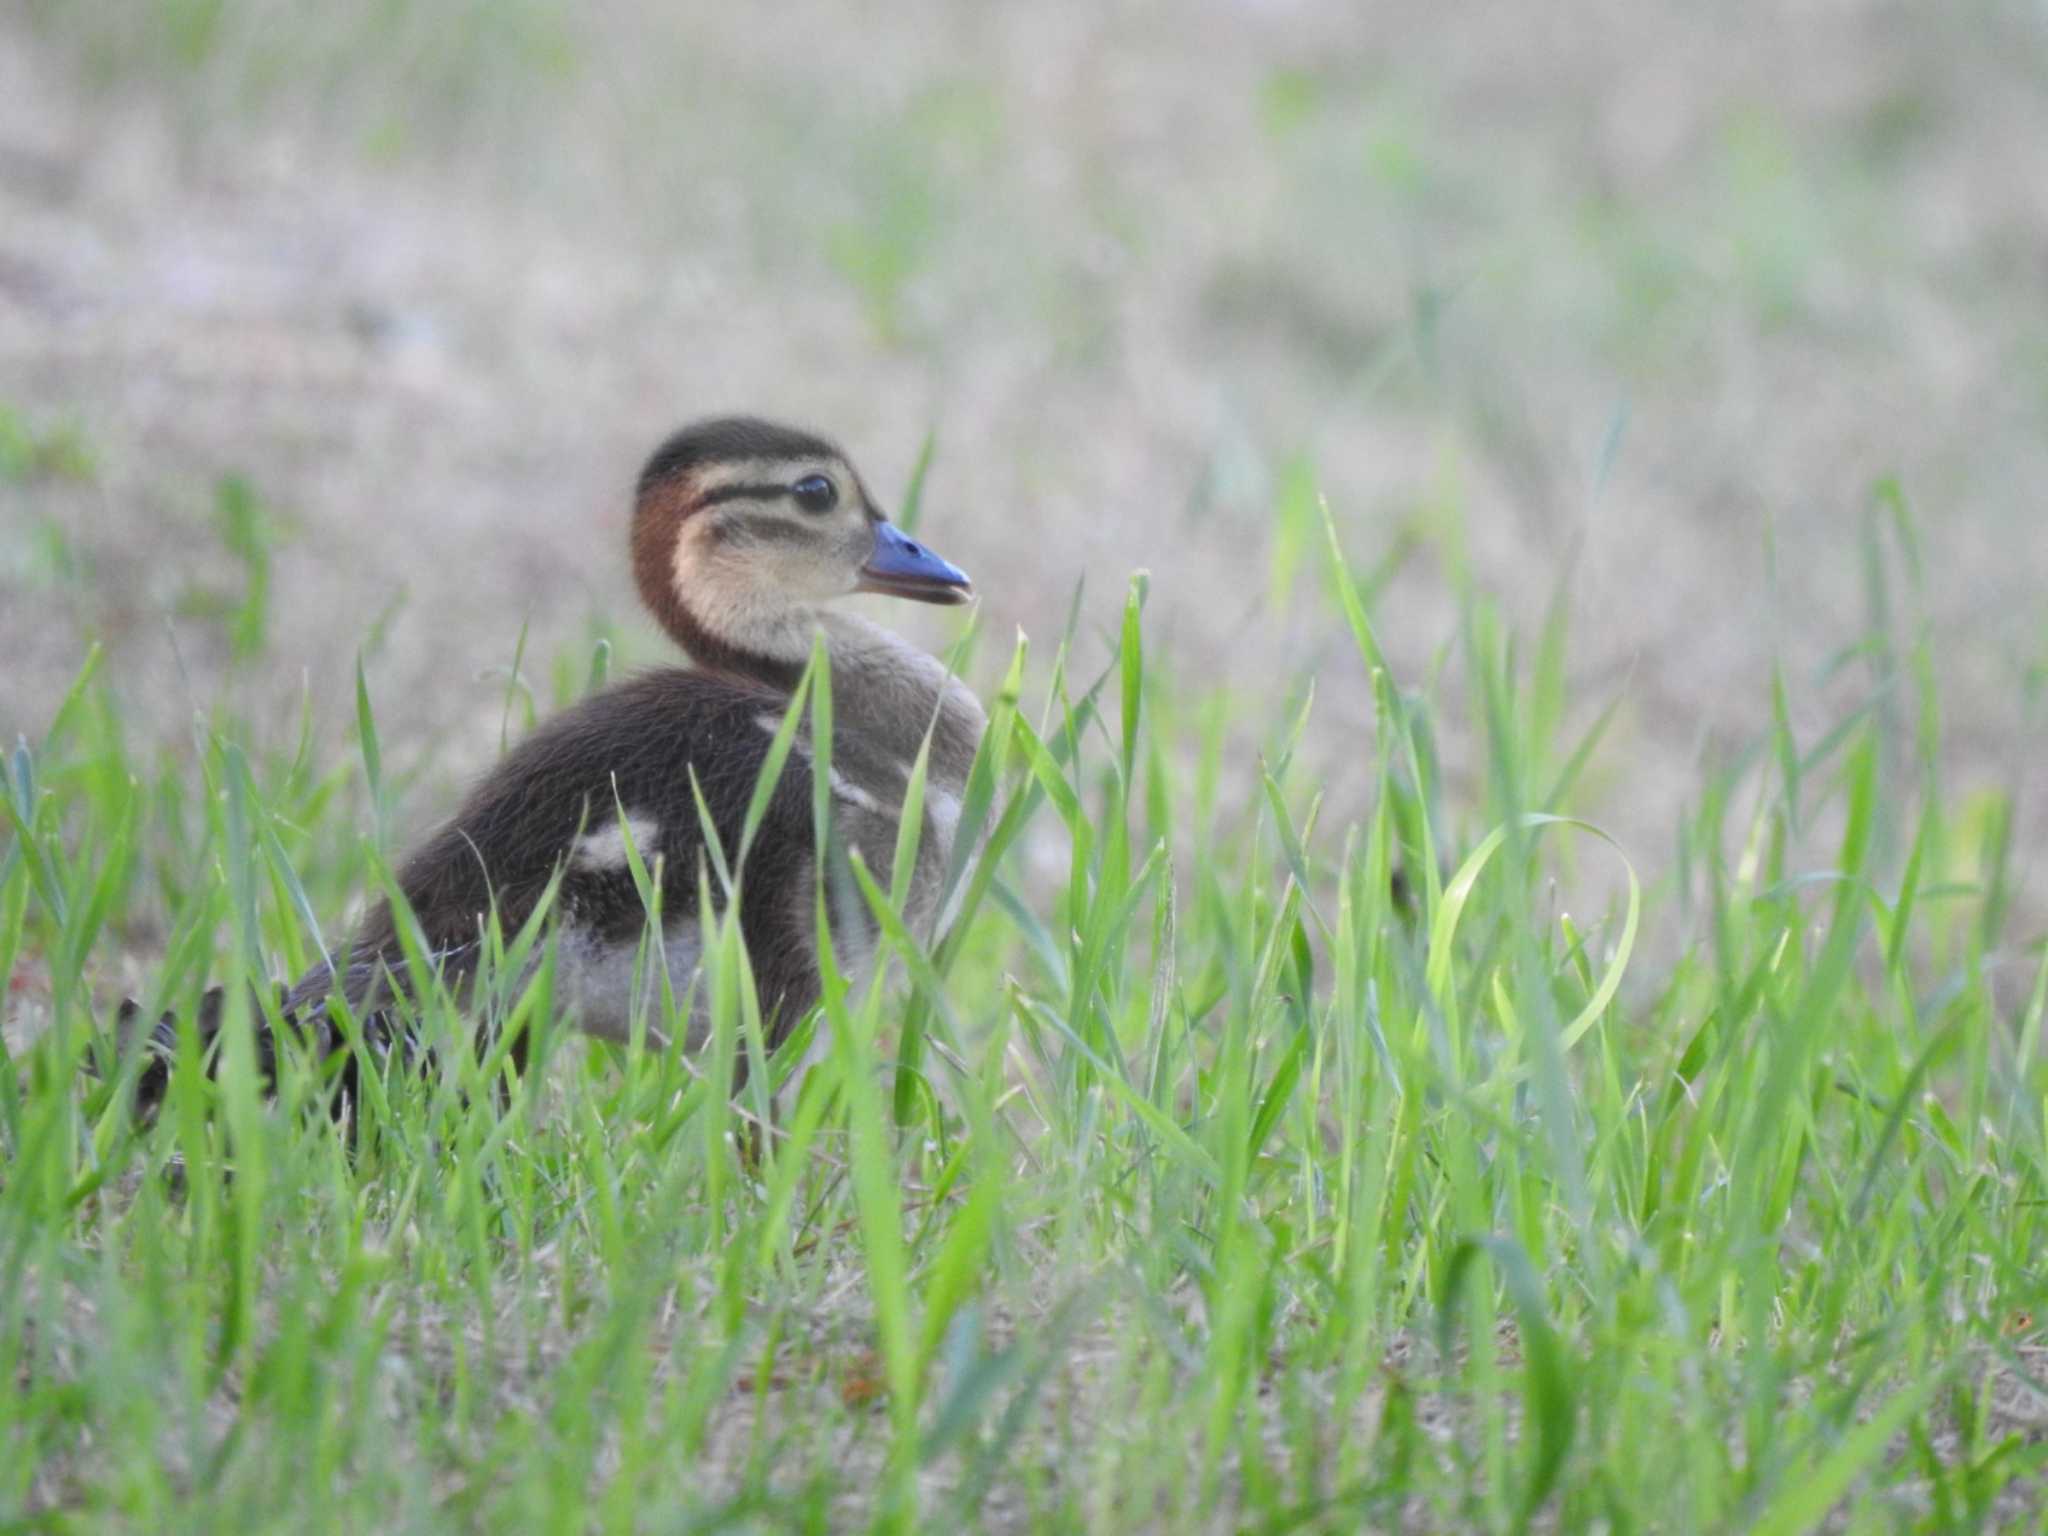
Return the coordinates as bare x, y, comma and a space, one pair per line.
815, 493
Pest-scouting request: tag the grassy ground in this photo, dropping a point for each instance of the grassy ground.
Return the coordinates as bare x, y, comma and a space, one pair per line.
1204, 1175
1679, 383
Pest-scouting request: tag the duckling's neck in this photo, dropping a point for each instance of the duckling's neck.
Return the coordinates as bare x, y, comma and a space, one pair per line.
883, 687
767, 648
893, 693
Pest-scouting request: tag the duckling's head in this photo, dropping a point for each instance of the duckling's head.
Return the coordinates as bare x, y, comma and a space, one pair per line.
743, 527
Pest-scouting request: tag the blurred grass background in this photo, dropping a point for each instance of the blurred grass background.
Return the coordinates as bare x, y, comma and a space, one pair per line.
321, 326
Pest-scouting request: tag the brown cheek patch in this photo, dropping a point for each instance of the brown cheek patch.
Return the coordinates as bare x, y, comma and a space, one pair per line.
657, 523
664, 507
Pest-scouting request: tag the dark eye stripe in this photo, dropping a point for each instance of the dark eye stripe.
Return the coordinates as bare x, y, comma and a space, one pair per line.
712, 498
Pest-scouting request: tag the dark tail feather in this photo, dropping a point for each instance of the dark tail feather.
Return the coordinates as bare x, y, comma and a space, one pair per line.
383, 1037
386, 1033
160, 1042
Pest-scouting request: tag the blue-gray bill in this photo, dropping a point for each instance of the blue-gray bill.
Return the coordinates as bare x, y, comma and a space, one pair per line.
902, 567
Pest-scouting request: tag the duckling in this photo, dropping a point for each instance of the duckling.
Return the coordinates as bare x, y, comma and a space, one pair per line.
743, 532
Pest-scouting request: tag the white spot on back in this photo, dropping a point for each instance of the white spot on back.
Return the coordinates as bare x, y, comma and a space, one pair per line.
943, 807
845, 789
605, 848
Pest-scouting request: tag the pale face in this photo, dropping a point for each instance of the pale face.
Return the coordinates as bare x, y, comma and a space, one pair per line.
769, 535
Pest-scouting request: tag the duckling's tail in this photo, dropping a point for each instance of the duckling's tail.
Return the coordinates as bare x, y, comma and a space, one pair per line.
158, 1041
302, 1010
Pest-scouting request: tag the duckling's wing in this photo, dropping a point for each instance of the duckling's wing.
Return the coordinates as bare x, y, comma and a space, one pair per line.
555, 802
